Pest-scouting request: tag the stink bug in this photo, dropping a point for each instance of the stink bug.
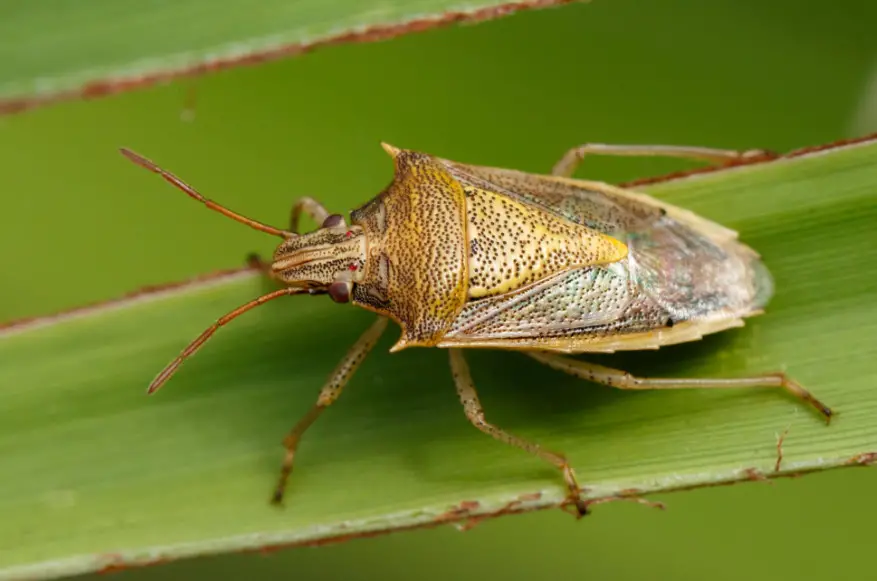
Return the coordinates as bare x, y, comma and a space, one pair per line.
463, 256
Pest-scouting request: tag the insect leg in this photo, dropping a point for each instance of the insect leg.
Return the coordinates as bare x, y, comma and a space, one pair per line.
256, 262
475, 414
573, 158
623, 380
328, 394
311, 208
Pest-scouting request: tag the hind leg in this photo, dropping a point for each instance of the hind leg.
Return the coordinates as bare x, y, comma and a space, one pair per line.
573, 158
623, 380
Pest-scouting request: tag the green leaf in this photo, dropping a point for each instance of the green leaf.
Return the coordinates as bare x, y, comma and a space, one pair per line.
104, 476
73, 48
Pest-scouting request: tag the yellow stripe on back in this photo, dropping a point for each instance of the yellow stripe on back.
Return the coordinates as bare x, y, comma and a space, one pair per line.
512, 244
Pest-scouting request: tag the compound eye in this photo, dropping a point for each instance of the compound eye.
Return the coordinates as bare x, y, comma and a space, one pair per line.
333, 221
340, 292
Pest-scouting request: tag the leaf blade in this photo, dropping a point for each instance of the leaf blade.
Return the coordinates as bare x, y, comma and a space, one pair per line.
95, 48
189, 471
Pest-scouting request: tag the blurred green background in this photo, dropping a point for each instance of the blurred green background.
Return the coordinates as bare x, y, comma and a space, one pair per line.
81, 224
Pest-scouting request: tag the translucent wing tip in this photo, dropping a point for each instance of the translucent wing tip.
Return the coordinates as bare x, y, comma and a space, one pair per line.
763, 283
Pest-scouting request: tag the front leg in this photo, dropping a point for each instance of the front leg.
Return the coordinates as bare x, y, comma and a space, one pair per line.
309, 207
255, 262
328, 394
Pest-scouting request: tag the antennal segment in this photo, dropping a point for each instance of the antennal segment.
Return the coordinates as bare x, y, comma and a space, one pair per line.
151, 166
172, 367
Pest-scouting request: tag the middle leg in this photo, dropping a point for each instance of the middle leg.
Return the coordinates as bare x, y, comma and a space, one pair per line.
475, 414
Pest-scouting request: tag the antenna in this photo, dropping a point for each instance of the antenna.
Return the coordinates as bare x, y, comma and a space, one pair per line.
151, 166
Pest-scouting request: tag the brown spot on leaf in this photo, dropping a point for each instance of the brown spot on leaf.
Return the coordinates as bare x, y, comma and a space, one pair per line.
755, 475
865, 459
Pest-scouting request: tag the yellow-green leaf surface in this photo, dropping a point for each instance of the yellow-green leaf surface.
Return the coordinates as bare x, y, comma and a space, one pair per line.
67, 48
105, 476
